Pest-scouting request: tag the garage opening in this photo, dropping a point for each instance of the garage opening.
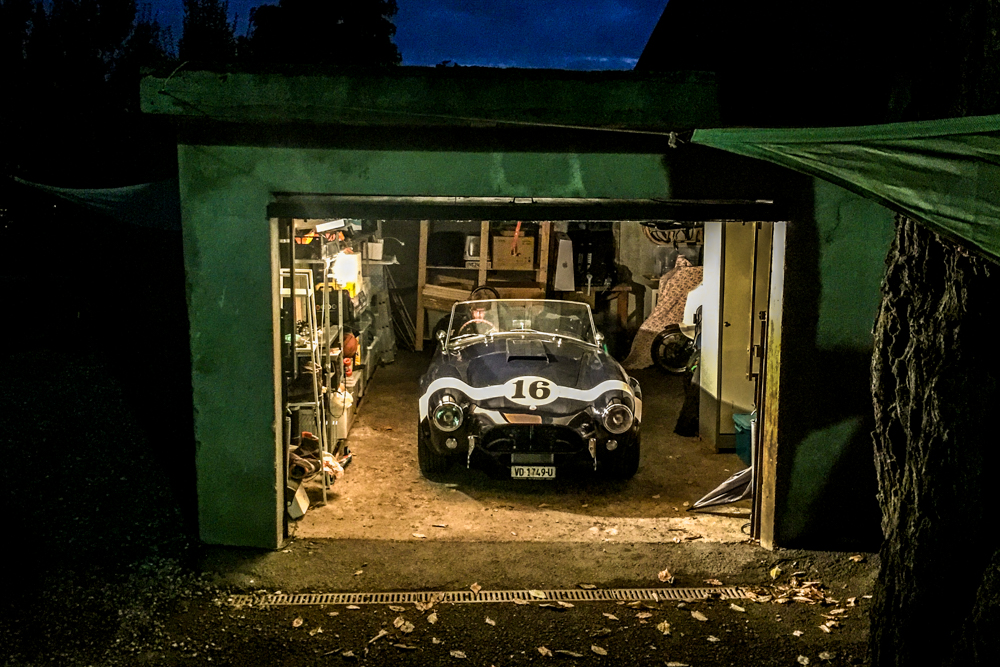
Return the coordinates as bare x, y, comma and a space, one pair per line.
566, 286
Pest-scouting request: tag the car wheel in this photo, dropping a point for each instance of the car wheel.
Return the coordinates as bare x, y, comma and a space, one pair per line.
672, 350
627, 464
431, 464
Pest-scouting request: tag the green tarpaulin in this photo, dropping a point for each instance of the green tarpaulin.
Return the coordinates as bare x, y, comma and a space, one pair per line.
943, 173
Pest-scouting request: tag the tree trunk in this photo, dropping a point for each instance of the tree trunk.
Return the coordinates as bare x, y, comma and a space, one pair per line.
937, 411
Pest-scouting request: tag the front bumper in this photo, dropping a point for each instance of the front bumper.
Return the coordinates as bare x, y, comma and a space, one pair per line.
495, 447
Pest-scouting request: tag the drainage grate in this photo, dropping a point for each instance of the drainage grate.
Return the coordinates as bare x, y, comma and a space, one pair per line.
459, 597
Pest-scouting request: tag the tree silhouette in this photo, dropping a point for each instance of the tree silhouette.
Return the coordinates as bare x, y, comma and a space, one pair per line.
207, 33
336, 32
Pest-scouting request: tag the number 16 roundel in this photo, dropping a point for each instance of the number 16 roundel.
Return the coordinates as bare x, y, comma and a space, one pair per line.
531, 390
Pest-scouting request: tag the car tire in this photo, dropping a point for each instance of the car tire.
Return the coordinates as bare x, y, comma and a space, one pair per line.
432, 465
672, 350
627, 464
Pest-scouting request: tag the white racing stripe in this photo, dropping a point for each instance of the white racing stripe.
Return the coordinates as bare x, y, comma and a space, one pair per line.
499, 391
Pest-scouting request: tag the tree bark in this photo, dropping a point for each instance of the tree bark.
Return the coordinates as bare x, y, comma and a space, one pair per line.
937, 406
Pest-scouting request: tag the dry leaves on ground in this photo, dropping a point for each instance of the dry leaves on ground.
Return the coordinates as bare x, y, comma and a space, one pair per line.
381, 633
432, 618
598, 650
419, 536
643, 614
475, 588
802, 660
545, 651
713, 638
698, 616
857, 558
402, 624
775, 572
457, 654
713, 582
665, 576
664, 627
736, 607
536, 594
611, 616
572, 654
297, 622
490, 621
587, 587
396, 607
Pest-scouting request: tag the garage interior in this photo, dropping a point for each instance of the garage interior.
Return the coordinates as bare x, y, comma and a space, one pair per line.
380, 289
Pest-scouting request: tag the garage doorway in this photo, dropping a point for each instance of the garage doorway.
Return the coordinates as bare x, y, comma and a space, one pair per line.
381, 494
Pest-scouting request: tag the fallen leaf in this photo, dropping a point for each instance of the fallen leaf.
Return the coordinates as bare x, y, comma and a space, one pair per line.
852, 602
405, 646
381, 633
519, 601
666, 576
475, 588
440, 525
775, 572
333, 613
567, 605
603, 632
352, 606
825, 629
857, 558
713, 582
664, 627
537, 594
827, 655
656, 497
598, 650
677, 664
419, 536
513, 533
798, 633
611, 616
315, 631
432, 618
686, 503
802, 660
587, 587
736, 607
457, 654
834, 612
359, 572
552, 606
490, 621
572, 654
348, 654
698, 616
545, 651
544, 505
435, 640
867, 597
297, 622
713, 638
643, 614
396, 607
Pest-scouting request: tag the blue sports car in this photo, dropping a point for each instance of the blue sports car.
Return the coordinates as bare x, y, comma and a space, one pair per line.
523, 388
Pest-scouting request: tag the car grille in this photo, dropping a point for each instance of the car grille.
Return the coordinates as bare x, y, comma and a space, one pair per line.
530, 438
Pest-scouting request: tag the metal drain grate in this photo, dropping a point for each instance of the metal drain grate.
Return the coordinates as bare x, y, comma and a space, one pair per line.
459, 597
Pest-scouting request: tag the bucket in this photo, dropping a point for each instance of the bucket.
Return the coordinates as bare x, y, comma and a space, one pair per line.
374, 250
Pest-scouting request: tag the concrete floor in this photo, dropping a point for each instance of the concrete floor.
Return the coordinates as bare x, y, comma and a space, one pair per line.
382, 496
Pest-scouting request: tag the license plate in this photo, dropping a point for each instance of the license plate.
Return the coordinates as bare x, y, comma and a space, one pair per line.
533, 472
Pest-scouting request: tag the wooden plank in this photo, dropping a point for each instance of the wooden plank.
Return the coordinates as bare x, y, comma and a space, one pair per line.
544, 230
421, 280
484, 250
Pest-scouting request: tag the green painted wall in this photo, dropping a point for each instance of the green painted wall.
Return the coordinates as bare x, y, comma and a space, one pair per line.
228, 255
826, 464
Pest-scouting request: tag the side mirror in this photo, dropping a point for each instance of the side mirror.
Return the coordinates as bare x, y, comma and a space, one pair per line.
441, 335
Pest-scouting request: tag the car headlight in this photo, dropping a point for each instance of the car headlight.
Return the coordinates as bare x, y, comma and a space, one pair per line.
617, 418
448, 414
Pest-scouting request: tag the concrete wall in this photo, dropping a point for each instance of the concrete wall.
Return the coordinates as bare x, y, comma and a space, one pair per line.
229, 261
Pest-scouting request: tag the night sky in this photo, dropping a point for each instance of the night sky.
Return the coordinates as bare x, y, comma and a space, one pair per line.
559, 34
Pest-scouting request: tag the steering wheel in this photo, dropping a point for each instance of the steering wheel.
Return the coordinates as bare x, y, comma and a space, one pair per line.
486, 322
478, 293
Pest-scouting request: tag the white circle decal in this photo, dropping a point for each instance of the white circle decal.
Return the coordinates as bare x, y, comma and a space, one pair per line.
531, 390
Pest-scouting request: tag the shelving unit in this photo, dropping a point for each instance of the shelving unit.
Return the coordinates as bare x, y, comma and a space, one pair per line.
439, 287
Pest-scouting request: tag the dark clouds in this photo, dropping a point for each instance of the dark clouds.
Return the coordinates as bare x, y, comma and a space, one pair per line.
559, 34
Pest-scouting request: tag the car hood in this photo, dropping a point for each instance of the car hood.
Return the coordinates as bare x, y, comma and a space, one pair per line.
568, 364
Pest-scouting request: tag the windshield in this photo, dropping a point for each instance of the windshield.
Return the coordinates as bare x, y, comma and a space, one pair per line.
476, 320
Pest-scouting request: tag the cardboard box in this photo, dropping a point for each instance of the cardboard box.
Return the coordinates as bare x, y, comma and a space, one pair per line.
503, 260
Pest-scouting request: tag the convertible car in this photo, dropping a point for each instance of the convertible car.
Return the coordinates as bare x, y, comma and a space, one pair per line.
522, 388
